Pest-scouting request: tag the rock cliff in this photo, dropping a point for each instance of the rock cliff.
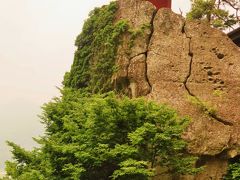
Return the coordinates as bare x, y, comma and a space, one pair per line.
189, 66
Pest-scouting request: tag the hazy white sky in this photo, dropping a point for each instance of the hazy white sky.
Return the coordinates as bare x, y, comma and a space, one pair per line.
36, 49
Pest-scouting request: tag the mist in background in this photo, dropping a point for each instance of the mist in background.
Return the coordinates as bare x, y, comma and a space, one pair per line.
36, 49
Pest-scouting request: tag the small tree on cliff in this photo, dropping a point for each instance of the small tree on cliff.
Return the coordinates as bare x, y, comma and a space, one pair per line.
221, 14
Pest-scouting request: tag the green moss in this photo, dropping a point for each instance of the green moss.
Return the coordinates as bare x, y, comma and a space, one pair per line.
94, 61
218, 93
134, 33
204, 106
233, 172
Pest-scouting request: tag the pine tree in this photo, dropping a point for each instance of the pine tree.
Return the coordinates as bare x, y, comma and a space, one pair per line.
221, 14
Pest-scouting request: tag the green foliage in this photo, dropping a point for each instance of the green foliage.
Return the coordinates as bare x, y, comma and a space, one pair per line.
201, 9
215, 12
134, 33
103, 137
94, 61
133, 169
30, 165
5, 178
233, 171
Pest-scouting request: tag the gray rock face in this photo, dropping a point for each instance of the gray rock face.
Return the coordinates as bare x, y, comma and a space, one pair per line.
185, 71
131, 59
191, 67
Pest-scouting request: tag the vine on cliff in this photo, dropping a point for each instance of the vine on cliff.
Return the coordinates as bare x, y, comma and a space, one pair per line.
94, 61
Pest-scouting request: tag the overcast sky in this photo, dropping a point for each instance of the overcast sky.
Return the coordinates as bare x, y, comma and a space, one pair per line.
36, 49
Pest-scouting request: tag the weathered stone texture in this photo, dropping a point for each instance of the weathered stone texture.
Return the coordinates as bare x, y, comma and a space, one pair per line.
192, 59
138, 13
137, 76
178, 61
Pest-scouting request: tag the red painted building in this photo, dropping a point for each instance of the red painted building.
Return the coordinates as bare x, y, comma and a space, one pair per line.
161, 3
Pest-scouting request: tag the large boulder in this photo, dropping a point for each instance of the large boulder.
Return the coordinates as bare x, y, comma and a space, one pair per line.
191, 67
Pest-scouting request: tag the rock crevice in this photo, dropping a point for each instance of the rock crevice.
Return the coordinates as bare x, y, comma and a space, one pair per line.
148, 45
176, 59
191, 57
132, 58
190, 54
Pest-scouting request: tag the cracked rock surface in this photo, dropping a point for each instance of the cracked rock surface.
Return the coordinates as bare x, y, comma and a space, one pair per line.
131, 61
176, 61
184, 61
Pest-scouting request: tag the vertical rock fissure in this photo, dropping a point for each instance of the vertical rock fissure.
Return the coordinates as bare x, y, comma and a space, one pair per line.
148, 45
135, 86
145, 53
191, 56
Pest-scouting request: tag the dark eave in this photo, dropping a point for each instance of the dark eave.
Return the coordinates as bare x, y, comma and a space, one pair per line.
235, 36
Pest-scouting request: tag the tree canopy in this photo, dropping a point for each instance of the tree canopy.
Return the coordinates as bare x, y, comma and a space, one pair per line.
219, 13
104, 137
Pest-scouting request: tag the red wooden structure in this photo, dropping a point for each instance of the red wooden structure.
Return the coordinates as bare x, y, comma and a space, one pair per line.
161, 3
